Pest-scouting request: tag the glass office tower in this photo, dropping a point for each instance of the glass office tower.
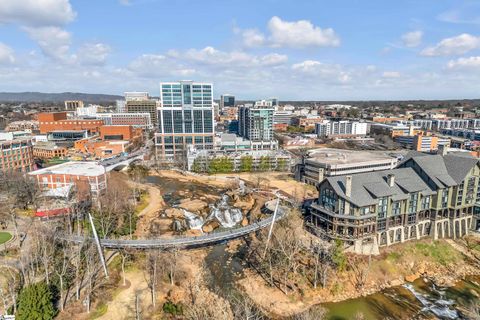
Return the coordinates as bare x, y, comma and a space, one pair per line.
185, 118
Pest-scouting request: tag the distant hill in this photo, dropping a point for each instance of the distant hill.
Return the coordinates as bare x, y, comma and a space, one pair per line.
56, 97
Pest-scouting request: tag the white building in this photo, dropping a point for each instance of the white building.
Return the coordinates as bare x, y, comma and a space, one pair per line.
136, 96
344, 128
326, 162
89, 111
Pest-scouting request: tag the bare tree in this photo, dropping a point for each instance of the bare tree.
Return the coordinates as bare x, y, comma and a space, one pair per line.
314, 313
151, 272
360, 270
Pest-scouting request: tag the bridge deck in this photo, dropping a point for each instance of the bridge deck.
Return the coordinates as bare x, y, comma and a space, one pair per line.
182, 242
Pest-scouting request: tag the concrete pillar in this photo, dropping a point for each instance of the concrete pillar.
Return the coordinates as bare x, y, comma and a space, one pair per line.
388, 237
435, 236
417, 231
402, 234
454, 236
442, 225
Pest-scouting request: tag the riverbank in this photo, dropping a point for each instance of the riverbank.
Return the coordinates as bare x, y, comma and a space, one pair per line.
437, 261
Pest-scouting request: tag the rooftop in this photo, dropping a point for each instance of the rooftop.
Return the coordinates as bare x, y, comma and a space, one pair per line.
341, 156
89, 169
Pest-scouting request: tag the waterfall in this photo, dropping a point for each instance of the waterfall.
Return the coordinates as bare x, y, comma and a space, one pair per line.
439, 307
194, 221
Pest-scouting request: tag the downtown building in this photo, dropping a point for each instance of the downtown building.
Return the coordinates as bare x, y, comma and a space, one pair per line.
256, 122
185, 118
337, 129
140, 102
425, 196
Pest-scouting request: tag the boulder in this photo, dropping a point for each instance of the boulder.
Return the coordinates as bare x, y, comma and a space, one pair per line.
245, 204
244, 222
210, 226
193, 233
195, 205
174, 213
412, 277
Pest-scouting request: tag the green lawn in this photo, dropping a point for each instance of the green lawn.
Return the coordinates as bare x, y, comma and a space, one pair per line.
4, 237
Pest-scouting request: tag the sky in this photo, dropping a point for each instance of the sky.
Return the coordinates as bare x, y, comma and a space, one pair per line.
254, 49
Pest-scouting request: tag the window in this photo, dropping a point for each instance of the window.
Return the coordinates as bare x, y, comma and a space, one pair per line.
365, 210
327, 198
396, 208
426, 203
167, 121
382, 207
412, 204
444, 198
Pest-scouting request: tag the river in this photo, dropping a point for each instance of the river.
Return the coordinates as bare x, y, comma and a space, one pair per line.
418, 300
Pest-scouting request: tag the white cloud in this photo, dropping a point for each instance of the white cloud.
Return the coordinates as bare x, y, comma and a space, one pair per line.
252, 38
125, 2
7, 55
273, 59
465, 63
301, 33
453, 46
36, 13
218, 58
412, 39
93, 53
54, 41
156, 65
391, 74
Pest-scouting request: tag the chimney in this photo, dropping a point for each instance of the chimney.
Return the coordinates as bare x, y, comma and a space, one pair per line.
348, 186
391, 180
321, 174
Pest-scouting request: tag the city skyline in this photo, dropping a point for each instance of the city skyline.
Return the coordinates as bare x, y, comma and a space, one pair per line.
297, 50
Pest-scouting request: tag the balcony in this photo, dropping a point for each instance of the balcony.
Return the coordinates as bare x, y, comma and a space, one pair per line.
333, 214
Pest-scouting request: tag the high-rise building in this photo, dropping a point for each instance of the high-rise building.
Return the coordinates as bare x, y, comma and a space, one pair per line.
256, 122
140, 102
227, 100
185, 118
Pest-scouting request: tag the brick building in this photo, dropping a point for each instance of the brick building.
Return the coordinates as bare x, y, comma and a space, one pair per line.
85, 176
48, 150
57, 121
120, 133
16, 155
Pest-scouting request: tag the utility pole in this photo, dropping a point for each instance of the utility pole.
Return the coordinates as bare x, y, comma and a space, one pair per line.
97, 241
271, 227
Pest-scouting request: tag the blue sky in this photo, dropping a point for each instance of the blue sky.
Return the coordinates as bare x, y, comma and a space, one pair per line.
322, 50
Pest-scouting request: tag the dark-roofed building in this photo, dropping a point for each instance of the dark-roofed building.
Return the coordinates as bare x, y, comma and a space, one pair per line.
427, 195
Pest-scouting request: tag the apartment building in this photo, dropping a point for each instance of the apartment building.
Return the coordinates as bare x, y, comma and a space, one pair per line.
426, 196
185, 118
16, 155
259, 160
256, 122
344, 128
322, 163
423, 142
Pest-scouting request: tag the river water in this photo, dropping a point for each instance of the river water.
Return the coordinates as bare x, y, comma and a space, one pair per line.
418, 300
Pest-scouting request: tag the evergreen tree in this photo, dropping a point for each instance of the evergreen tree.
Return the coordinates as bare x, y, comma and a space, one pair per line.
35, 303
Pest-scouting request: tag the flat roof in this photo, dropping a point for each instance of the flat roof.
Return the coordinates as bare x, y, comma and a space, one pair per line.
342, 156
83, 168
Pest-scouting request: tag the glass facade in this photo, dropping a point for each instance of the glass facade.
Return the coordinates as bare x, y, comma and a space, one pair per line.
186, 116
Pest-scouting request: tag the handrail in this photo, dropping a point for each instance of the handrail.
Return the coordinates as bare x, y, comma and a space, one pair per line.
179, 241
